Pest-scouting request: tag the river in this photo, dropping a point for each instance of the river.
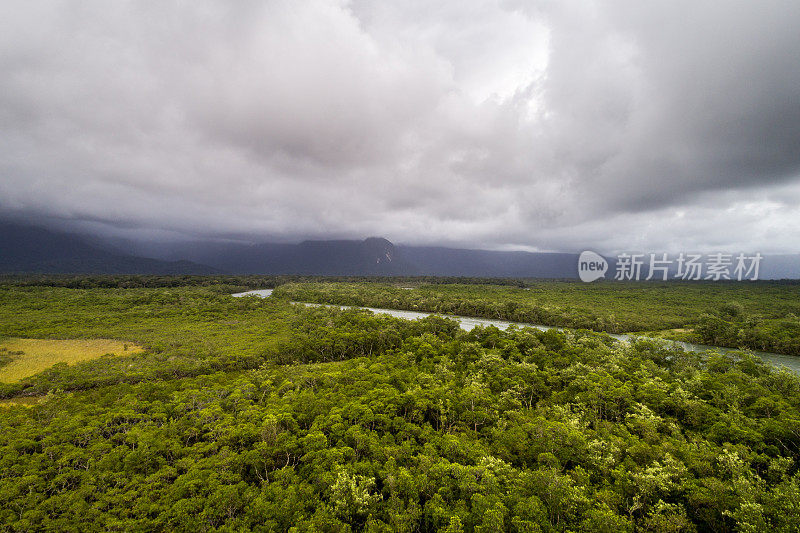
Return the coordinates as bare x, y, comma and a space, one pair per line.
467, 323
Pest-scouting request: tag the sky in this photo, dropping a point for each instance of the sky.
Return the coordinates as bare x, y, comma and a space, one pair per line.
530, 125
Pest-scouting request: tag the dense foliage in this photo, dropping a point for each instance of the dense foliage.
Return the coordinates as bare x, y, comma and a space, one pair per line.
670, 310
224, 282
250, 414
732, 326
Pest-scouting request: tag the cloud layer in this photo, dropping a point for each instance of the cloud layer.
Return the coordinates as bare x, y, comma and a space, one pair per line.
552, 125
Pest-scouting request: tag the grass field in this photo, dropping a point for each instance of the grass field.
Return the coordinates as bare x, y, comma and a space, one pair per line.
31, 356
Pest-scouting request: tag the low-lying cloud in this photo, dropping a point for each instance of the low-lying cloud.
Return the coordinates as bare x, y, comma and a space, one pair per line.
533, 125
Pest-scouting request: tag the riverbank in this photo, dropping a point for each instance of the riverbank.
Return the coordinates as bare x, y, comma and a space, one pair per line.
468, 323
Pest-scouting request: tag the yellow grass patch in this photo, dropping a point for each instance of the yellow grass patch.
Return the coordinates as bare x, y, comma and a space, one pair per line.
41, 354
25, 401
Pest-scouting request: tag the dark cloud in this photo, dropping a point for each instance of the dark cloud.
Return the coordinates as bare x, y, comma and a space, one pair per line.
551, 125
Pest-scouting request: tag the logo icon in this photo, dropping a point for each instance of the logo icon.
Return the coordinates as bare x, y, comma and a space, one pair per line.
591, 266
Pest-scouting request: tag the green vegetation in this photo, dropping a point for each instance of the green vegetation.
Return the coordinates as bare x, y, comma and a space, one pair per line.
186, 332
6, 356
26, 357
224, 282
22, 400
731, 326
670, 310
249, 414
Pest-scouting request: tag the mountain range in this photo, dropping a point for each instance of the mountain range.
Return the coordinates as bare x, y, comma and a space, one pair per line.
28, 249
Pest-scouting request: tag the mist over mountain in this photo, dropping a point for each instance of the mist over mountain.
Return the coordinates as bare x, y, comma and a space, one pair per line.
28, 249
374, 256
371, 257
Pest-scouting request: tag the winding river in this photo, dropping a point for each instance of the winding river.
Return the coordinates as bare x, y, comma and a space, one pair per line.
467, 323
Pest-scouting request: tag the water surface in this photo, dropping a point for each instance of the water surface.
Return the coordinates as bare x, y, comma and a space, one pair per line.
791, 362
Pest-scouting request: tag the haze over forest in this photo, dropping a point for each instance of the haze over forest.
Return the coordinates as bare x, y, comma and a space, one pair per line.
538, 126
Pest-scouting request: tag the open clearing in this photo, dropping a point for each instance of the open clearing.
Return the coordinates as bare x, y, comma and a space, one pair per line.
31, 356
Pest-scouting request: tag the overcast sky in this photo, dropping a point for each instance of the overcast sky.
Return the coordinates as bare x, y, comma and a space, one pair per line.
618, 125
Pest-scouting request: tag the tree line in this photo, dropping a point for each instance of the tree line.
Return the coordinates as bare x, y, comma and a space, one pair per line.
315, 419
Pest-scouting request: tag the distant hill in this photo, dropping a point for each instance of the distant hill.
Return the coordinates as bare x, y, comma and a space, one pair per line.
26, 249
370, 257
374, 256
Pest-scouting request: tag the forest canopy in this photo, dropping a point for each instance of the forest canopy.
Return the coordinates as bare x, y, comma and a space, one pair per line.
258, 414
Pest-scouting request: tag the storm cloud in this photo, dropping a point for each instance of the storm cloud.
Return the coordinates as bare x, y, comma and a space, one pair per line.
615, 125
